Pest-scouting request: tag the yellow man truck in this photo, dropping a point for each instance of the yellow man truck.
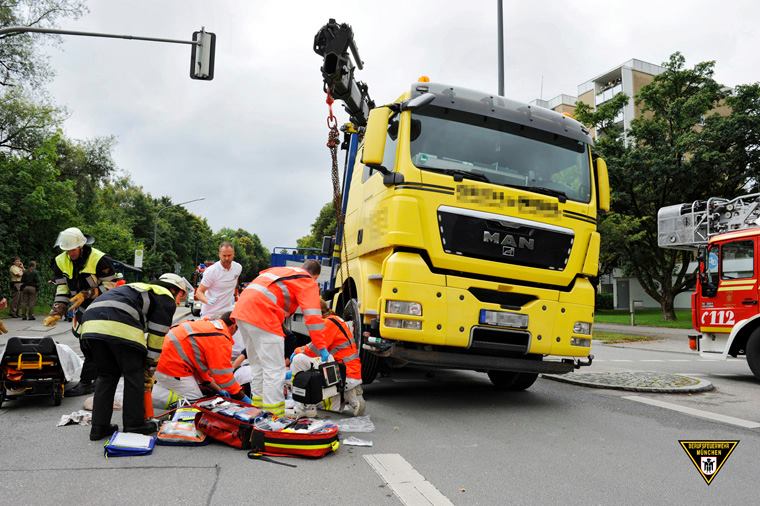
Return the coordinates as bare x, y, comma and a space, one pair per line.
469, 228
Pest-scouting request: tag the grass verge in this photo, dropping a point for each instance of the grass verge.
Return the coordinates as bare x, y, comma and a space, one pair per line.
613, 338
645, 317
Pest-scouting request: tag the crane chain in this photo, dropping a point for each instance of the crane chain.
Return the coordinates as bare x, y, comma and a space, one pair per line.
333, 141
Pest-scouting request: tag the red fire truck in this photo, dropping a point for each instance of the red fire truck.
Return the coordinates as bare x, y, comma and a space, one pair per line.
726, 236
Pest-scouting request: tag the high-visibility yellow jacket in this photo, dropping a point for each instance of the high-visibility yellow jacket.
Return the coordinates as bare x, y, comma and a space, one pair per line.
138, 313
202, 349
91, 270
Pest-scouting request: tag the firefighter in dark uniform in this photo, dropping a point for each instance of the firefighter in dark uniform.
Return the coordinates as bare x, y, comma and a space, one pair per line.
125, 330
79, 271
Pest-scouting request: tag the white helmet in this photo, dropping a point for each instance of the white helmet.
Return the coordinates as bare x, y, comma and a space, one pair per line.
175, 280
72, 238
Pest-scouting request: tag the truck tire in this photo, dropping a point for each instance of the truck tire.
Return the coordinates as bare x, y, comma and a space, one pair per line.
512, 381
524, 381
753, 352
502, 380
370, 361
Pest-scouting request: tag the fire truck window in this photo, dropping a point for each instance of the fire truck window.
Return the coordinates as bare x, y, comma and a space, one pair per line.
737, 260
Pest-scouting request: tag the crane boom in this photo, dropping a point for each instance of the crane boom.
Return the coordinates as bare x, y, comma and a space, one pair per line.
333, 42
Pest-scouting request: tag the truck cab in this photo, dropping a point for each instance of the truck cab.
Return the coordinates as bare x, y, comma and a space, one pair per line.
470, 237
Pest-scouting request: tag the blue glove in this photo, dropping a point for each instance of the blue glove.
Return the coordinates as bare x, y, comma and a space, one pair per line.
247, 400
224, 393
324, 354
288, 375
291, 356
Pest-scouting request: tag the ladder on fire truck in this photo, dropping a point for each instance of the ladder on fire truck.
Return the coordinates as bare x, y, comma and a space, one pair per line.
687, 226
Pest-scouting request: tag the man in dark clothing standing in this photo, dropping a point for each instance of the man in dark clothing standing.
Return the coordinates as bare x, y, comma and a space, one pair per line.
30, 284
125, 331
83, 272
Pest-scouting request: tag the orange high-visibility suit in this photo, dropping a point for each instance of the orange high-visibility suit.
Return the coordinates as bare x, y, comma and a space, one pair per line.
195, 353
340, 344
260, 312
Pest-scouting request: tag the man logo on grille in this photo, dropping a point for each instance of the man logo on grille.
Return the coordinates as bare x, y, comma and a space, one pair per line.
509, 240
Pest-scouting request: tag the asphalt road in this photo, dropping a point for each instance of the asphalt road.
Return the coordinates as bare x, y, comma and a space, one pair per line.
467, 444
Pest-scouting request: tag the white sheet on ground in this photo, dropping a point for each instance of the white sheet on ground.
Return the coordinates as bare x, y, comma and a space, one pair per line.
70, 362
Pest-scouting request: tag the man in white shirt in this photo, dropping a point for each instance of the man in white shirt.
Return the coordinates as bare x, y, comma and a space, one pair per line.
217, 288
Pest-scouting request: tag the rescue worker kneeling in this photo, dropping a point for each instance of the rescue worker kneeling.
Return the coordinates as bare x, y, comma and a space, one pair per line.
196, 362
341, 345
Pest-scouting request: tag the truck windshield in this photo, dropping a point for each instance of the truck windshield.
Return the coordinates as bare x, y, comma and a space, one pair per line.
487, 149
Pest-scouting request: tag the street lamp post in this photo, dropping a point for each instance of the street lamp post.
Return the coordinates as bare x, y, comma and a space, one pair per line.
155, 224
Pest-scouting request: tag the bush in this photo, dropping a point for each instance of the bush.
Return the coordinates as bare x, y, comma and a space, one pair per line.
604, 301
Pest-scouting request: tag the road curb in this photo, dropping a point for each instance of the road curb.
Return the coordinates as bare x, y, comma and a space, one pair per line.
636, 381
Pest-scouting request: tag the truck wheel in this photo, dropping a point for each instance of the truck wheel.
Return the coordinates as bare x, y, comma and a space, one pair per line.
523, 381
753, 352
512, 381
370, 361
502, 380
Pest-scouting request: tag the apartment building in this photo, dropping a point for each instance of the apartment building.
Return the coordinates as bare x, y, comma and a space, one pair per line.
627, 78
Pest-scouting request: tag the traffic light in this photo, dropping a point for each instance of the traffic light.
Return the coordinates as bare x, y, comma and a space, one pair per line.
202, 56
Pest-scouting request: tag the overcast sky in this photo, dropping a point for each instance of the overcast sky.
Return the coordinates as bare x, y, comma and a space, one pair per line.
252, 141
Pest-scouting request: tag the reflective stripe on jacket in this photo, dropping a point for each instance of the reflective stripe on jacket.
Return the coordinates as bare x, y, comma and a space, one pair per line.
275, 295
340, 344
202, 349
139, 313
69, 281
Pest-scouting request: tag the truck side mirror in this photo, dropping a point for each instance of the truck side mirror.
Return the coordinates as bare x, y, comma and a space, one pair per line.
202, 56
327, 245
375, 136
603, 185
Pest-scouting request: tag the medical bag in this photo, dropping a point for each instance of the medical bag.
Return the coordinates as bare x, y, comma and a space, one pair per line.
229, 421
314, 385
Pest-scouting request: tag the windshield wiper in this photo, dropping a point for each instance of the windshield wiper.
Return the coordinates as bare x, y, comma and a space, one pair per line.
561, 196
461, 174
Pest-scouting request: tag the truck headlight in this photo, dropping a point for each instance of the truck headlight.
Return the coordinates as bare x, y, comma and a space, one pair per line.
398, 323
504, 319
582, 328
401, 307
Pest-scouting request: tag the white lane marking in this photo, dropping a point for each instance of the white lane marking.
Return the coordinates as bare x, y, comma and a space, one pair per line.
409, 486
652, 360
716, 417
678, 360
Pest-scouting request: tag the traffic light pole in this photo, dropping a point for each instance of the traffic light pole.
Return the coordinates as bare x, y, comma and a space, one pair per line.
201, 58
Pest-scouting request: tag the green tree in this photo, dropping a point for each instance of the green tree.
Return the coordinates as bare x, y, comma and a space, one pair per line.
20, 60
34, 205
323, 225
667, 158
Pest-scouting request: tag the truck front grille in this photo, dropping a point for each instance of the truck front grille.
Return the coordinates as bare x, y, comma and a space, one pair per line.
506, 300
504, 239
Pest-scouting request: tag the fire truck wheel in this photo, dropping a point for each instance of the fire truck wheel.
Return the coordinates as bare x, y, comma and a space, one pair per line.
753, 352
370, 361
